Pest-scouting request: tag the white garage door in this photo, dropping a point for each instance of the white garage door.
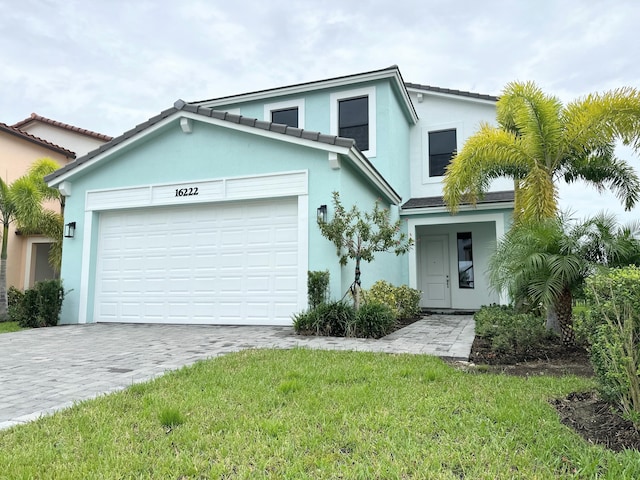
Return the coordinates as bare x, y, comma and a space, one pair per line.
226, 263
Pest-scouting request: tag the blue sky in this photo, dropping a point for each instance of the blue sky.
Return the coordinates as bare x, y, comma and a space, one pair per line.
109, 65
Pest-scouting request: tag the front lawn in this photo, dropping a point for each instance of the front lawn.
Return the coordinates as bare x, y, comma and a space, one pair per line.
8, 327
315, 414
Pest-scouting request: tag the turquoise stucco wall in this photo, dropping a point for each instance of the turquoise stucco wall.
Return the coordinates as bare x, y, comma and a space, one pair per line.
392, 125
210, 152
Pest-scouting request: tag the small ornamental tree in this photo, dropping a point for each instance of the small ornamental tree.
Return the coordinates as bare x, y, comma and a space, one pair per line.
359, 236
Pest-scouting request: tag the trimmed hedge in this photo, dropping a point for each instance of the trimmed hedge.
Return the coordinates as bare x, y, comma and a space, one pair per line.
403, 301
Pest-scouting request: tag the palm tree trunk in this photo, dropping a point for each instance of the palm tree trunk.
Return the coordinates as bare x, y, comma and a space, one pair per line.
3, 273
564, 306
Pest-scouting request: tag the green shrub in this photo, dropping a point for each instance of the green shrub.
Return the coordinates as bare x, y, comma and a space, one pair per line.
613, 327
403, 301
374, 320
39, 306
317, 287
511, 332
408, 301
335, 318
14, 303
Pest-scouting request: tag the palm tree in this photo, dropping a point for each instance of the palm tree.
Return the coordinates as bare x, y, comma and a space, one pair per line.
539, 141
545, 262
21, 202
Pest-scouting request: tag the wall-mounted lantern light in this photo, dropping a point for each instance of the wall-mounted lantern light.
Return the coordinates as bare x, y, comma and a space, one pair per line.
322, 213
70, 229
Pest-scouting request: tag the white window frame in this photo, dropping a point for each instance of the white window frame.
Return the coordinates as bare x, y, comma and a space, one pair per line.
370, 93
458, 127
294, 103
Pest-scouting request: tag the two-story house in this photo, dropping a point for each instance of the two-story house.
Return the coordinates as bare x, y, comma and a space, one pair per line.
207, 212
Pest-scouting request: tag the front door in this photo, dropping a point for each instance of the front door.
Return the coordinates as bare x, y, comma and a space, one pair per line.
436, 291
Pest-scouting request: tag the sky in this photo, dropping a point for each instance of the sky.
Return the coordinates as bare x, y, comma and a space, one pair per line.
108, 65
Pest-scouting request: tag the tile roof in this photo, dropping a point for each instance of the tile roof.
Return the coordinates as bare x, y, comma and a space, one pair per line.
66, 126
431, 202
448, 91
181, 105
12, 130
392, 68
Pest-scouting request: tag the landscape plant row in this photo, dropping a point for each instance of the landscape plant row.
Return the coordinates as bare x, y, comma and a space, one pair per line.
383, 305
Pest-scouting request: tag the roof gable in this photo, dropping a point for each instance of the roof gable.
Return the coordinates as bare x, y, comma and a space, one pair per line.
12, 130
23, 124
185, 111
391, 73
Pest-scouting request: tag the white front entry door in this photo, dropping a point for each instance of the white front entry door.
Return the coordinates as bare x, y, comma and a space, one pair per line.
436, 282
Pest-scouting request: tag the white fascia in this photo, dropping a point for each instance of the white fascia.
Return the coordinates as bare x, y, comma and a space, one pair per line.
378, 180
295, 103
461, 209
450, 96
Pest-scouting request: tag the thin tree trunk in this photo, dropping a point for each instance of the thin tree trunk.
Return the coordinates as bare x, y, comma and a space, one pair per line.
3, 273
356, 286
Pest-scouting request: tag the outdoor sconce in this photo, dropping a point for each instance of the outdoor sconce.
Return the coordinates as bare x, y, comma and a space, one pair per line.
70, 229
322, 213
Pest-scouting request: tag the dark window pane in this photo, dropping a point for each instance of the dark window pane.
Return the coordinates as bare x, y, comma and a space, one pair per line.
353, 120
465, 260
442, 145
287, 116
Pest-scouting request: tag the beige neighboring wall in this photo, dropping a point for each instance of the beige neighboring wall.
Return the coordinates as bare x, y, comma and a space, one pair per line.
16, 156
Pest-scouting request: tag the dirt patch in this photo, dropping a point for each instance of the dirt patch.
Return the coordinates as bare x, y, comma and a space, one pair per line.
595, 420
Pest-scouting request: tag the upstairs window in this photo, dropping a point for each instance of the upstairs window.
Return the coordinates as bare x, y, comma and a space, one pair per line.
353, 120
442, 147
285, 116
465, 260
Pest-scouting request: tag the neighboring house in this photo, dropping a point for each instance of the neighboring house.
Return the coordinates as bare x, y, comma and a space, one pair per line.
78, 140
22, 144
207, 212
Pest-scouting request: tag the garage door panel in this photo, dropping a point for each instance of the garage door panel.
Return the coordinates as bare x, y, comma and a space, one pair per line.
221, 263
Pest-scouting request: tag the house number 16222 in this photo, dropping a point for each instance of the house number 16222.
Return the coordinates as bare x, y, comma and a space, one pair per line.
186, 192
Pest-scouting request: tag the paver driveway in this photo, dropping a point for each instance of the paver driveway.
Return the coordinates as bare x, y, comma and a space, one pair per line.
44, 370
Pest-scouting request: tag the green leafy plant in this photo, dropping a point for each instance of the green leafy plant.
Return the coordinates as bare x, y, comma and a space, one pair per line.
374, 320
335, 318
317, 287
39, 306
403, 300
613, 328
359, 236
510, 331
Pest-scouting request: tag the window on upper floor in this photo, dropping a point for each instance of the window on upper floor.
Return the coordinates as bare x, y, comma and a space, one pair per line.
286, 116
353, 120
352, 115
288, 112
442, 147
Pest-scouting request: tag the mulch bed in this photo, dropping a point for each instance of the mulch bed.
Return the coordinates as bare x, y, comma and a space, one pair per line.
594, 419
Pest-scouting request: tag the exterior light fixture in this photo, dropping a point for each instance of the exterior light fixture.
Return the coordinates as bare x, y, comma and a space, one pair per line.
70, 230
322, 213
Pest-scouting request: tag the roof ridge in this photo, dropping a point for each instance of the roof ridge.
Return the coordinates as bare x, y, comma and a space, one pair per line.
66, 126
20, 133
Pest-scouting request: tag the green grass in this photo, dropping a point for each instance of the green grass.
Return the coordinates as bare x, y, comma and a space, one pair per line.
8, 327
314, 414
